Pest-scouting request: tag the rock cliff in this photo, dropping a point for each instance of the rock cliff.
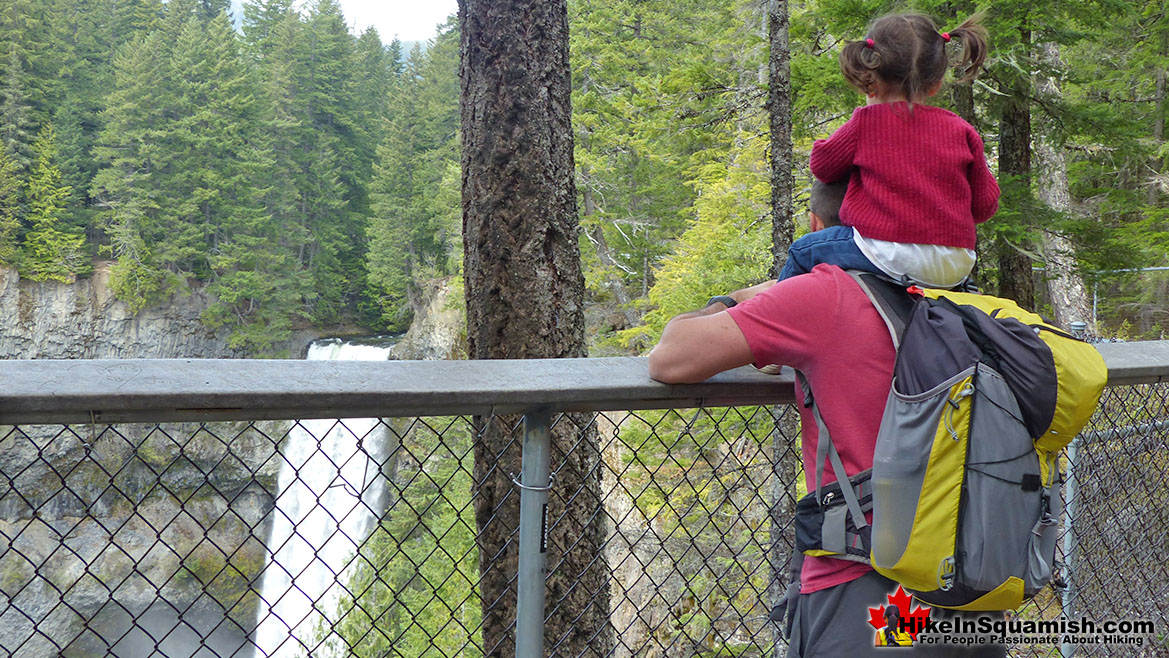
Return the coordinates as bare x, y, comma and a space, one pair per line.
112, 537
437, 331
84, 320
98, 524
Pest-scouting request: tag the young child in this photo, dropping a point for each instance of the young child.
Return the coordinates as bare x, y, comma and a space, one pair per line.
918, 178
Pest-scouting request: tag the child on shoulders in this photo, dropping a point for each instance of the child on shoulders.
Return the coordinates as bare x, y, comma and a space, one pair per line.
918, 177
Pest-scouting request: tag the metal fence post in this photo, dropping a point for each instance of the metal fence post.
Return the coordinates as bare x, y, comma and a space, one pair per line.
533, 546
1066, 649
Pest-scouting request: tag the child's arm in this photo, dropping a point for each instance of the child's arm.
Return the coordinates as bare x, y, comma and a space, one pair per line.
984, 189
832, 158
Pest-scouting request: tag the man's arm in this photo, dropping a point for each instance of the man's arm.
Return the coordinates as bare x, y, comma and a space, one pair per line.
699, 344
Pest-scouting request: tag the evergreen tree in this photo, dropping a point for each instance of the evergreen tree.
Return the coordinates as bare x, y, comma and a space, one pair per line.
76, 162
375, 76
16, 124
659, 87
335, 160
133, 18
49, 251
281, 126
327, 60
394, 58
10, 185
130, 154
32, 56
261, 18
409, 230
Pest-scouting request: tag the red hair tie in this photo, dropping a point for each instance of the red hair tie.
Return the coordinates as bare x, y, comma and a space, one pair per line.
869, 43
946, 37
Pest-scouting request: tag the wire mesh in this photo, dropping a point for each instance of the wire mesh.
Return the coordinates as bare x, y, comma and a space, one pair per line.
369, 538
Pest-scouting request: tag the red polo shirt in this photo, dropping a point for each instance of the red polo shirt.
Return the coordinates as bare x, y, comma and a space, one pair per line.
823, 324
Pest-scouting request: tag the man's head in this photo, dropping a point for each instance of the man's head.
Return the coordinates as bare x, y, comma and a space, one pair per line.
824, 203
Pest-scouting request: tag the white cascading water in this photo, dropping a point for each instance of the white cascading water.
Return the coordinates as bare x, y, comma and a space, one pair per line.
319, 521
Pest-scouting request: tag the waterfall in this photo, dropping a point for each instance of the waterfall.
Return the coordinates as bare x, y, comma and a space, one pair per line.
326, 506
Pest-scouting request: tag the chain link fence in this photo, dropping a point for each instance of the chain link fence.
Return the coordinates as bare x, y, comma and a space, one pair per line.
365, 538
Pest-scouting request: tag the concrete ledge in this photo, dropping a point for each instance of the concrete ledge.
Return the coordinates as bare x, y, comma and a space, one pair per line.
158, 390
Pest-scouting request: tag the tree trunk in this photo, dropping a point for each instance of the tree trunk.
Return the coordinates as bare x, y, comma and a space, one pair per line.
1065, 287
779, 101
786, 436
1158, 120
1015, 279
525, 292
962, 93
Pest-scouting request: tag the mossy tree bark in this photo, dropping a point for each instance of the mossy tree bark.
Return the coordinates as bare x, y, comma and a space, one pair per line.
524, 292
1065, 287
785, 438
1015, 279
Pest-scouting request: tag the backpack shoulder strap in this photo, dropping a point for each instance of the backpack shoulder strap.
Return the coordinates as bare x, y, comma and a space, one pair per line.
893, 303
826, 452
895, 307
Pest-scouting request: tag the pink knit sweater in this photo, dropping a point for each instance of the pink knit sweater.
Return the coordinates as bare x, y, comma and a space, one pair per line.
916, 176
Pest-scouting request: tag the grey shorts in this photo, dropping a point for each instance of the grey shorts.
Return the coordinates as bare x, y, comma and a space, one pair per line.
834, 623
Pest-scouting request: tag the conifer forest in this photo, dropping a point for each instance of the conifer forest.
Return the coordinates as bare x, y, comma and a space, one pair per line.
305, 175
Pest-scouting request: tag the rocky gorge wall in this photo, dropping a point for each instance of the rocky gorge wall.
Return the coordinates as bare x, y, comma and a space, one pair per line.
83, 320
99, 525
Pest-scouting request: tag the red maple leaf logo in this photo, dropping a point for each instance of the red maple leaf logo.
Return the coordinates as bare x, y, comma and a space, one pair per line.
912, 622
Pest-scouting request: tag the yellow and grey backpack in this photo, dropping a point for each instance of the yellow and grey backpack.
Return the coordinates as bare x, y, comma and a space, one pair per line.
965, 485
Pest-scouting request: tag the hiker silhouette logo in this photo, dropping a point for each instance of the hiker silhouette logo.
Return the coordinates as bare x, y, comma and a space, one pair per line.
897, 625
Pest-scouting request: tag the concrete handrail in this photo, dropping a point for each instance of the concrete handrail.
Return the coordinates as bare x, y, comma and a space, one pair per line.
158, 390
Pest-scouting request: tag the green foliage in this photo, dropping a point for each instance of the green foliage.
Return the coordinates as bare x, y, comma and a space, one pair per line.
197, 157
415, 225
50, 251
9, 208
16, 125
307, 174
654, 84
727, 247
415, 588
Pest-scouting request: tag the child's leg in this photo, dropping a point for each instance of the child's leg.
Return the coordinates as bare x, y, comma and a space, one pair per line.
833, 245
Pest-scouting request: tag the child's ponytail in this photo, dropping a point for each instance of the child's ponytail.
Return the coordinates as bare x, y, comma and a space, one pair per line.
975, 43
908, 54
859, 62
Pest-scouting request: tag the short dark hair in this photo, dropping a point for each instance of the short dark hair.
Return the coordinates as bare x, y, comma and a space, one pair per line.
908, 53
825, 200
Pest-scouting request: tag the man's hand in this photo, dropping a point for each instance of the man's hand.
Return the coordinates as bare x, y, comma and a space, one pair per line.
744, 294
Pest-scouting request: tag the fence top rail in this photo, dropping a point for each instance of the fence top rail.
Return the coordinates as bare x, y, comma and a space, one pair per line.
158, 390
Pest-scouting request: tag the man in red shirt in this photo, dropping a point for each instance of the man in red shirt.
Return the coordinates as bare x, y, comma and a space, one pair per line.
822, 324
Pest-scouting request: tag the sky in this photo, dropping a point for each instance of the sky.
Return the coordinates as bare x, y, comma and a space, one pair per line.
409, 20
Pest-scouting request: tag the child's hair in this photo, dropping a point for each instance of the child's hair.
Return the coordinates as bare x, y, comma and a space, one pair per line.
908, 53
